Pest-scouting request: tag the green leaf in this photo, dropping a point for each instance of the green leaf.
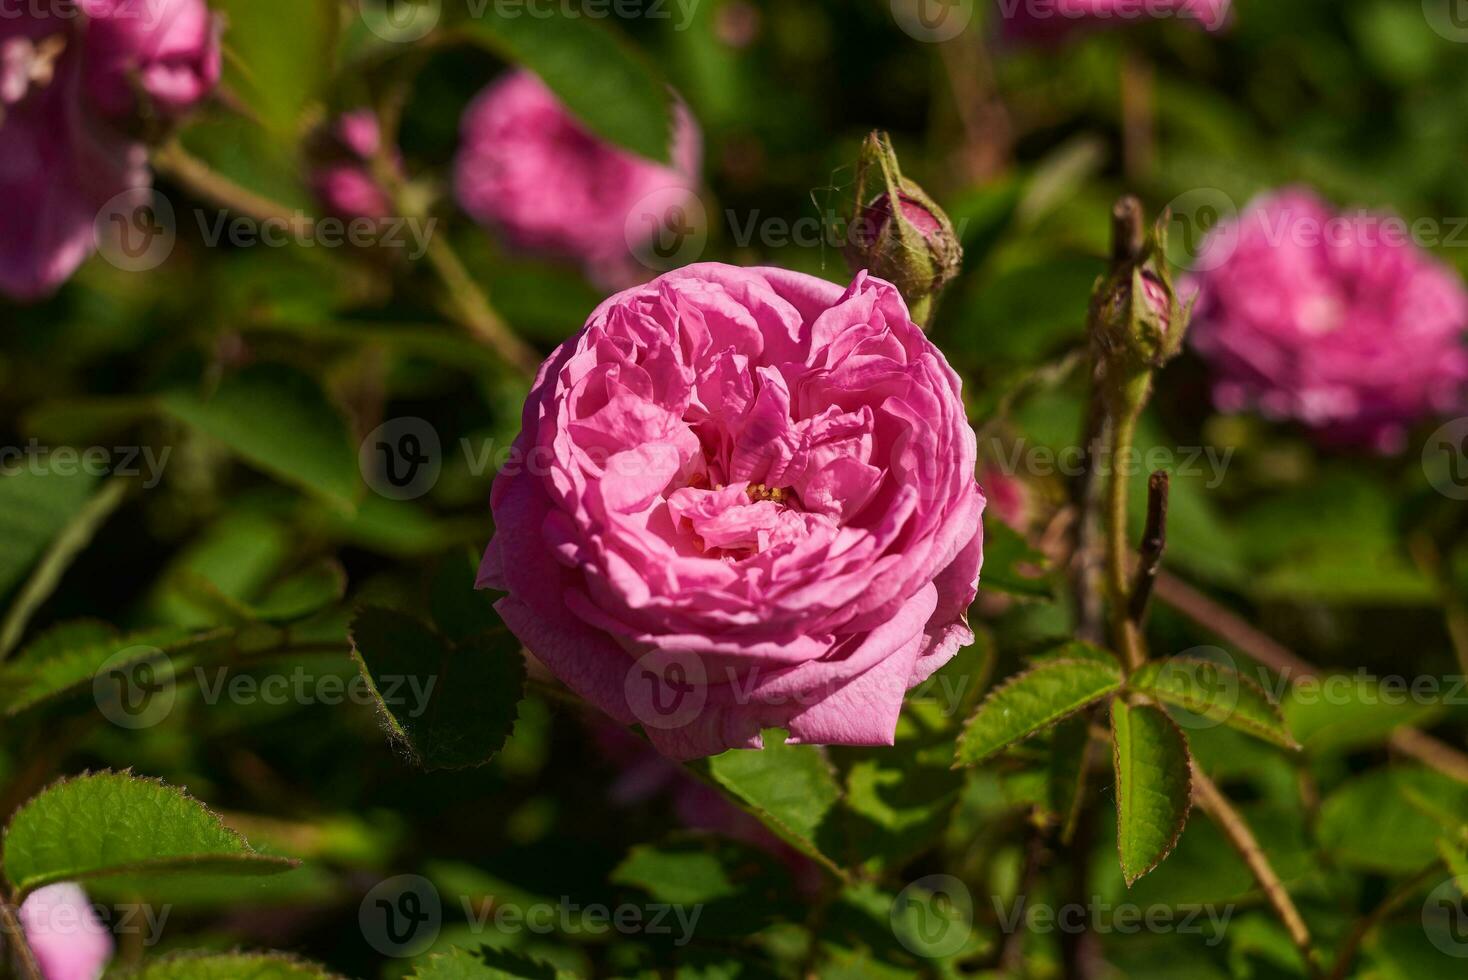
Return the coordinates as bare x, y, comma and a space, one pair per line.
1153, 786
1455, 856
791, 788
71, 657
229, 966
1370, 823
68, 543
35, 506
686, 876
1216, 692
484, 964
302, 593
278, 72
1070, 755
446, 705
1034, 700
1011, 566
278, 420
601, 78
112, 823
1334, 712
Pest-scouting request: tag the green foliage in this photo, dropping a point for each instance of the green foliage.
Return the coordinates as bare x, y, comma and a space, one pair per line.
1216, 692
1153, 786
792, 788
446, 704
1032, 701
229, 966
110, 824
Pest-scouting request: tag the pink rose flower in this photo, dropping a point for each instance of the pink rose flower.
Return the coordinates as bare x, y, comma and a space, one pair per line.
1050, 20
528, 168
741, 499
69, 101
1338, 322
345, 185
1010, 498
64, 933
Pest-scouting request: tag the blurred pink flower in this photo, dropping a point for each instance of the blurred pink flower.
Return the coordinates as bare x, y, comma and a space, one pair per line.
529, 169
1339, 322
1049, 20
757, 475
64, 933
1010, 498
73, 93
345, 184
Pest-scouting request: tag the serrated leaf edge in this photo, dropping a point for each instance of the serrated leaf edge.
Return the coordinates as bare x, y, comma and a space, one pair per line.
1182, 820
962, 763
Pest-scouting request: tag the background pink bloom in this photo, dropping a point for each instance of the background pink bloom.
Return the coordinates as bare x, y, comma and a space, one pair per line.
1048, 20
346, 185
67, 88
758, 477
528, 168
64, 933
1338, 322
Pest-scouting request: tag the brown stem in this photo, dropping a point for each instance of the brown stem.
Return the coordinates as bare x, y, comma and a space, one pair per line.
1363, 926
196, 175
23, 961
1138, 113
1217, 806
1228, 626
1089, 553
1154, 543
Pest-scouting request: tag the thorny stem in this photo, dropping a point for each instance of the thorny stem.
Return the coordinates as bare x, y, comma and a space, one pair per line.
1154, 543
1233, 629
196, 175
1237, 831
1363, 927
23, 961
1125, 633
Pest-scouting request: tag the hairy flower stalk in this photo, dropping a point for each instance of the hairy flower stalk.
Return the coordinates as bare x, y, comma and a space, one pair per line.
911, 244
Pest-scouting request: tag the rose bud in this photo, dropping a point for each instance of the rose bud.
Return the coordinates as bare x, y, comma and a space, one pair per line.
1137, 321
742, 499
74, 92
1339, 322
344, 182
913, 245
64, 934
530, 170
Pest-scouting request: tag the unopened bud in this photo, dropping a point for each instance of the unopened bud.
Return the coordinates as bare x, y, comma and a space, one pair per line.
913, 245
